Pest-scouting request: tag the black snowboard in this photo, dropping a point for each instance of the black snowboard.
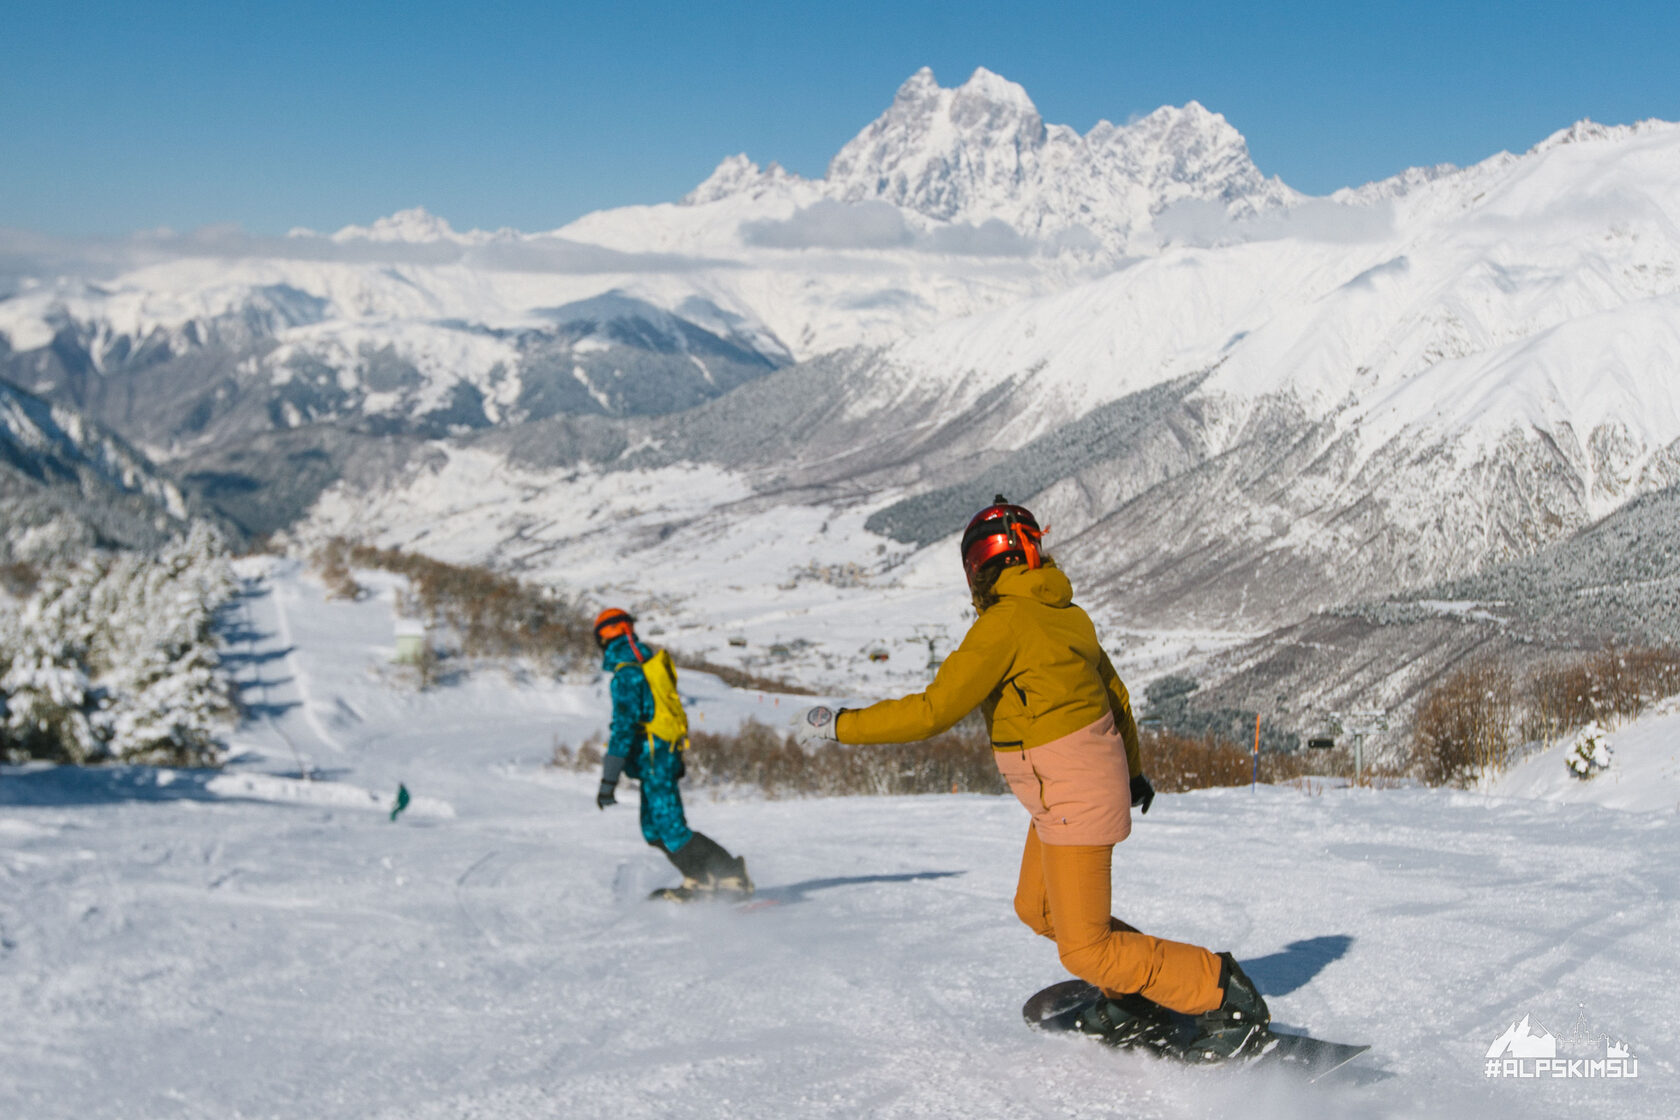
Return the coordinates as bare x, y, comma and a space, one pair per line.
1066, 1007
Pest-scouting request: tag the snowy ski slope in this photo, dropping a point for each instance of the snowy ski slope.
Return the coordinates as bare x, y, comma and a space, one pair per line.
182, 945
1644, 774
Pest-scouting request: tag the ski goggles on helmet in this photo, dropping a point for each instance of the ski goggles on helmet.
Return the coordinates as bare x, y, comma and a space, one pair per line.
1001, 532
610, 623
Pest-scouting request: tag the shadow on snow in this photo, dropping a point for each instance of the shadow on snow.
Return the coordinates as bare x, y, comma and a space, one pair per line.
796, 892
1278, 974
111, 785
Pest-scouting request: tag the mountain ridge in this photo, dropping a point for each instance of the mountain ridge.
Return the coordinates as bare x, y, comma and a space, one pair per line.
67, 484
1274, 407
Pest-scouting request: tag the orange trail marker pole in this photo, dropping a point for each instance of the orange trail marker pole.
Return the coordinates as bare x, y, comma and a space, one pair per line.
1255, 784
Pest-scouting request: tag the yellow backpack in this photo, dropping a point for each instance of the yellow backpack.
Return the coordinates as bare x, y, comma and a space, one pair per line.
669, 721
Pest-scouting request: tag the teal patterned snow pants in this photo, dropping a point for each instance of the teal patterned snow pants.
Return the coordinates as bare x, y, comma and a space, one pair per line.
663, 823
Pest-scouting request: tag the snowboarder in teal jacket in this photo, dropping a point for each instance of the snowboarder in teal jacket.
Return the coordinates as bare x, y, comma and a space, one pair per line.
635, 752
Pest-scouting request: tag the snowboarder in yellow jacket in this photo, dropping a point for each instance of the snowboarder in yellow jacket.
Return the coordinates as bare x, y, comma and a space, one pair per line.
1064, 738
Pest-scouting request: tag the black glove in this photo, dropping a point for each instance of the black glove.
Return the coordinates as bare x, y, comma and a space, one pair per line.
1142, 793
605, 796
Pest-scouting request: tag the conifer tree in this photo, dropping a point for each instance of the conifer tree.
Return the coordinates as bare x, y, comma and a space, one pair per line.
116, 659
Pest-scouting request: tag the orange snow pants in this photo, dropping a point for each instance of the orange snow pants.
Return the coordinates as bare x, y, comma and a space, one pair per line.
1064, 894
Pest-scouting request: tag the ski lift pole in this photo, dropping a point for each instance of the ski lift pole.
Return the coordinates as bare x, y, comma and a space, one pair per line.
1254, 786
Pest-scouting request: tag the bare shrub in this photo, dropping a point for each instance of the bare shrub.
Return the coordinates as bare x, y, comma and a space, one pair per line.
767, 759
756, 755
1610, 685
335, 575
1468, 724
740, 678
1176, 763
494, 615
587, 755
959, 761
1465, 726
425, 668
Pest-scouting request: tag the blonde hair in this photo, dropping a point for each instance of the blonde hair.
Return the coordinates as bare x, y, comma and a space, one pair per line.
984, 587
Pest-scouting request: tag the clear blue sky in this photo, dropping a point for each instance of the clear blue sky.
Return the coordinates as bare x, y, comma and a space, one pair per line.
116, 117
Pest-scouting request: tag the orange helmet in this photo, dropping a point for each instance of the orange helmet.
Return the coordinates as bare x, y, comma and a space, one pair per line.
1003, 532
610, 623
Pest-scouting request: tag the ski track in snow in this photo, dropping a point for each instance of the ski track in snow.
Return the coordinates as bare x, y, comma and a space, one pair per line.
173, 947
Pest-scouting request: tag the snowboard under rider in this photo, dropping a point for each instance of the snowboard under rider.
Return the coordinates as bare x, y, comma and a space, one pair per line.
1064, 738
636, 752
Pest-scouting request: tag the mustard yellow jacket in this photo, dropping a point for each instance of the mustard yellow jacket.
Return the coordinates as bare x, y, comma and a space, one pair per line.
1031, 663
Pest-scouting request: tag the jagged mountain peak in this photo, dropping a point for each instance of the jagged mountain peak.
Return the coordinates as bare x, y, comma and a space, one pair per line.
981, 152
984, 84
979, 155
1586, 130
414, 225
921, 93
737, 176
1171, 122
933, 146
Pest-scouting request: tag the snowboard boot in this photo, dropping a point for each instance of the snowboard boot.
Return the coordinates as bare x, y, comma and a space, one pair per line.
1127, 1021
1237, 1027
706, 868
734, 879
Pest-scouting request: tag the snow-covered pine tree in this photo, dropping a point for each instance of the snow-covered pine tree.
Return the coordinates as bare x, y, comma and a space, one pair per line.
52, 703
156, 654
116, 659
1590, 753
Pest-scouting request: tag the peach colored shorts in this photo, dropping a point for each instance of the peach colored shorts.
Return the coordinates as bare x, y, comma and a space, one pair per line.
1078, 788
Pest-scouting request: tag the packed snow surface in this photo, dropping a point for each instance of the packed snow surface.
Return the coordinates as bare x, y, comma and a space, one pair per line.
254, 944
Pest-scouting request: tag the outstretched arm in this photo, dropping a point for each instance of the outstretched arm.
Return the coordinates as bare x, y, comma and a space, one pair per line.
972, 672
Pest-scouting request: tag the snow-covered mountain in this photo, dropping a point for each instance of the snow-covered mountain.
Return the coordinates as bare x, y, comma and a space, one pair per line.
1489, 368
276, 344
954, 201
1268, 406
972, 170
1265, 418
67, 484
981, 153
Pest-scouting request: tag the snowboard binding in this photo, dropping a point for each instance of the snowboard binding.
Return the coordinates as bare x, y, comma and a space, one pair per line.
1135, 1023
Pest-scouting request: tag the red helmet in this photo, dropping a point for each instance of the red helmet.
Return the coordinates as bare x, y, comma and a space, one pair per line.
610, 623
1001, 531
